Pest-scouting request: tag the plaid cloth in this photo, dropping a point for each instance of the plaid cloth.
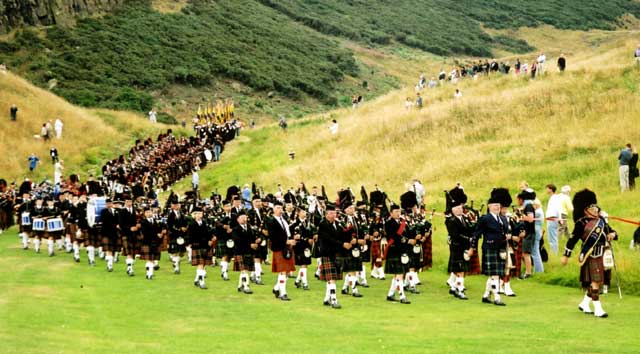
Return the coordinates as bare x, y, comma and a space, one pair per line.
175, 248
93, 238
201, 256
414, 260
222, 250
110, 244
56, 235
149, 252
394, 266
592, 271
366, 256
330, 269
376, 252
492, 264
131, 246
427, 253
243, 262
457, 263
349, 264
279, 264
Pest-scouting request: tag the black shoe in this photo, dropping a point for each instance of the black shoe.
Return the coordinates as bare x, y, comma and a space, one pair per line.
356, 295
383, 278
499, 303
247, 291
364, 285
176, 271
336, 305
326, 303
460, 295
345, 292
405, 301
109, 269
512, 295
414, 290
267, 262
149, 277
25, 247
51, 254
526, 276
297, 284
316, 275
284, 298
77, 260
156, 267
130, 273
259, 282
202, 286
276, 292
486, 300
392, 299
305, 287
239, 289
196, 283
452, 292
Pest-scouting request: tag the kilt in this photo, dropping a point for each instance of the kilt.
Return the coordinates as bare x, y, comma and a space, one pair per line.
110, 244
150, 252
592, 271
366, 256
527, 243
130, 245
492, 264
201, 256
457, 264
300, 258
176, 248
93, 237
279, 264
427, 253
349, 264
69, 228
414, 260
39, 234
25, 228
376, 252
243, 262
474, 265
394, 266
330, 269
261, 252
56, 235
222, 250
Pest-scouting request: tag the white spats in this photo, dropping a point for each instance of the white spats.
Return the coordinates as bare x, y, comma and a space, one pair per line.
585, 305
598, 311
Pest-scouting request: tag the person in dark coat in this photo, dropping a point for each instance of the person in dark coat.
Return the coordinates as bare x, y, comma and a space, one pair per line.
202, 241
396, 253
282, 243
329, 246
244, 245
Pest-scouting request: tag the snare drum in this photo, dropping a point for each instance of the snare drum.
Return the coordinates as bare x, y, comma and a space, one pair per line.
38, 224
55, 224
94, 208
25, 219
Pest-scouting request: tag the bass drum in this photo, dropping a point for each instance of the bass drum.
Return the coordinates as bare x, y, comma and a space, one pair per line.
208, 155
94, 208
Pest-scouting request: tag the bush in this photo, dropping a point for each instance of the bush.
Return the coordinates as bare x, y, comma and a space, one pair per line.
166, 118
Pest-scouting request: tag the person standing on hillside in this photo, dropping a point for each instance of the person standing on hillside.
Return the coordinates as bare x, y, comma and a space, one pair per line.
566, 208
536, 257
636, 55
153, 116
57, 172
553, 216
534, 69
633, 168
13, 112
44, 134
624, 158
516, 66
333, 128
418, 101
58, 128
33, 162
53, 152
542, 59
562, 63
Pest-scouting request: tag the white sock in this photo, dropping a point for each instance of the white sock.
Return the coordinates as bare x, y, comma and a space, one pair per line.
332, 293
282, 284
401, 292
494, 290
409, 279
327, 293
150, 268
303, 271
452, 279
25, 239
109, 260
487, 288
50, 246
417, 278
59, 243
223, 267
299, 277
258, 268
129, 264
392, 289
381, 272
363, 275
91, 253
189, 253
198, 273
345, 284
318, 262
176, 262
460, 283
67, 243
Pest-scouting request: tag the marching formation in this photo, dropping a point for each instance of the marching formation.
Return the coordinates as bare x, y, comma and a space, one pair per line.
346, 237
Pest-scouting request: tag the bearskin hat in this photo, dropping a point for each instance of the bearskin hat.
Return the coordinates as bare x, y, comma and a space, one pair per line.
527, 194
582, 200
502, 196
455, 197
408, 200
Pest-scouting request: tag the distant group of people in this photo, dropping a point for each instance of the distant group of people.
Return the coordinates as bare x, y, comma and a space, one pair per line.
50, 129
628, 167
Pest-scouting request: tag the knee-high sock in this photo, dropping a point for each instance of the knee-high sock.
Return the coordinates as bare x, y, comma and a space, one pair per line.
363, 275
460, 283
354, 284
258, 268
401, 290
487, 288
282, 284
494, 289
198, 274
347, 280
452, 279
109, 260
410, 279
244, 280
332, 293
36, 244
223, 266
59, 243
417, 277
299, 276
25, 239
303, 273
381, 272
392, 289
176, 262
189, 253
67, 243
318, 262
50, 246
91, 254
76, 250
327, 293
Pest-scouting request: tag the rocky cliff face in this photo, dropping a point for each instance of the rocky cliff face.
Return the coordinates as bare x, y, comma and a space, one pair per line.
17, 13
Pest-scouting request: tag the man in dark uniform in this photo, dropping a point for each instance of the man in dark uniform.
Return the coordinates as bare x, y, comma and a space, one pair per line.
302, 231
349, 259
460, 230
244, 245
223, 231
492, 227
129, 230
364, 233
24, 209
256, 219
396, 253
329, 246
38, 211
177, 224
52, 212
282, 244
201, 240
151, 240
596, 235
109, 232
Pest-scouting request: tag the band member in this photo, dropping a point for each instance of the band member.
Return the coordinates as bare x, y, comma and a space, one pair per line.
525, 201
302, 231
38, 211
256, 218
514, 233
64, 205
376, 228
80, 227
202, 241
92, 240
244, 245
152, 236
129, 231
109, 232
52, 212
282, 247
24, 211
364, 233
349, 259
492, 228
396, 253
328, 247
224, 228
460, 229
177, 225
596, 234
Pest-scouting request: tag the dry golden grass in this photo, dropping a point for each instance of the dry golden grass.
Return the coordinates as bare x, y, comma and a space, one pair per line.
89, 137
169, 6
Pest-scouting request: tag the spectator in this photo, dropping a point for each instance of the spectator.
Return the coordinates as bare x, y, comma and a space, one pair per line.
333, 128
13, 111
49, 127
433, 83
44, 133
418, 101
633, 168
442, 76
408, 103
553, 216
541, 63
282, 123
57, 172
566, 209
624, 158
457, 95
516, 66
534, 69
183, 123
33, 162
195, 180
53, 152
636, 54
252, 124
562, 63
58, 127
538, 267
217, 147
246, 196
153, 116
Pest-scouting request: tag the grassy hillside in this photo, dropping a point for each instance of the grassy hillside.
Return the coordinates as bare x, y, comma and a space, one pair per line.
89, 137
562, 129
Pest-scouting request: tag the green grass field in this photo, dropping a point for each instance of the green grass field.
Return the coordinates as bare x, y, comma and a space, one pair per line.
53, 305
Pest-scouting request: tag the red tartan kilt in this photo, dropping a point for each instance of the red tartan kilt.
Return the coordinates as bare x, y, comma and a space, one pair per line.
376, 250
71, 231
279, 264
243, 262
130, 246
110, 244
150, 252
592, 271
201, 256
329, 269
427, 253
474, 265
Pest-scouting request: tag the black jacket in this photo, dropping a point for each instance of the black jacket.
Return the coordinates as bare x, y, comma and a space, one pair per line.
329, 239
493, 231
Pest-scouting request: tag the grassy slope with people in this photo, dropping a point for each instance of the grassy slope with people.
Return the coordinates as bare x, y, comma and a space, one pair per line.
89, 137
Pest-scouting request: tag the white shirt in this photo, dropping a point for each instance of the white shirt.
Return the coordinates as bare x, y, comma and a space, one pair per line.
542, 58
334, 128
553, 206
58, 124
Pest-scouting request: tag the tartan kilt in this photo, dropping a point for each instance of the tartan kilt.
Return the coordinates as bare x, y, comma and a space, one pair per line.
349, 264
201, 256
39, 234
414, 260
56, 235
329, 269
110, 244
25, 228
150, 252
394, 266
243, 262
68, 228
492, 264
366, 256
261, 252
279, 264
222, 250
592, 271
93, 238
299, 256
376, 250
474, 265
457, 264
174, 248
130, 245
71, 231
427, 253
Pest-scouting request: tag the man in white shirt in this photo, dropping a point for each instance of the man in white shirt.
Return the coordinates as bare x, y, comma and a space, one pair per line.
153, 116
334, 127
541, 60
58, 128
553, 216
566, 209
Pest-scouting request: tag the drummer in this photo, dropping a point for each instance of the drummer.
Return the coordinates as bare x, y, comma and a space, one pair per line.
24, 210
54, 232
